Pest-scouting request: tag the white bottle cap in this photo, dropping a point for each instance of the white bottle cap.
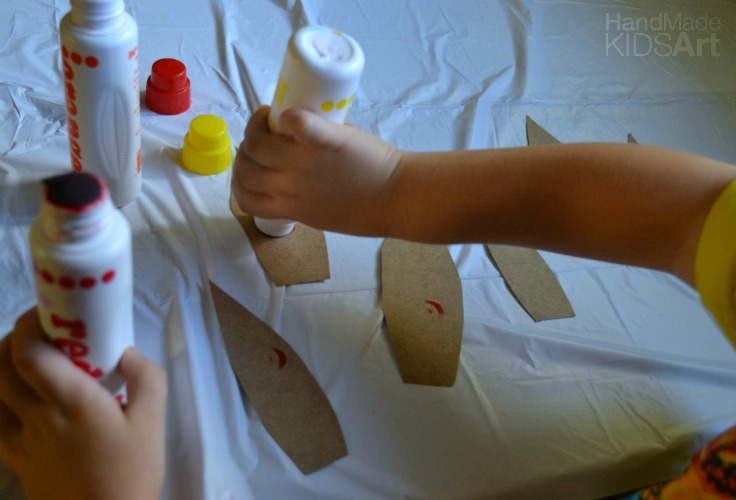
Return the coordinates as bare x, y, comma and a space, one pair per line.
274, 227
331, 54
320, 72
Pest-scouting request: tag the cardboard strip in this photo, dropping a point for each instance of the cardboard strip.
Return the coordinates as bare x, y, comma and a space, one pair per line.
532, 282
299, 257
536, 135
423, 306
289, 401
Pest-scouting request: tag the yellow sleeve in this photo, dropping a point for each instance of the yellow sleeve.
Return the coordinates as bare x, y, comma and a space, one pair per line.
715, 262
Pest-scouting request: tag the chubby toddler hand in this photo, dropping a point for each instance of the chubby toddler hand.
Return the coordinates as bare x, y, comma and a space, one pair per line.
64, 435
326, 175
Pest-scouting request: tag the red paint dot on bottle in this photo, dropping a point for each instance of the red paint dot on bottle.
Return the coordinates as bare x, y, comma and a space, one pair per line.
47, 277
88, 282
65, 52
66, 282
108, 276
77, 167
76, 58
91, 61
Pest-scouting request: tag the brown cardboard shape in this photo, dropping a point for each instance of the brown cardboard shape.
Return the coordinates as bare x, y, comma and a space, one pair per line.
299, 257
536, 135
423, 305
289, 401
532, 282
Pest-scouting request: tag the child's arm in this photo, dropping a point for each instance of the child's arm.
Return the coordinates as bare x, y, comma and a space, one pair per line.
624, 203
64, 435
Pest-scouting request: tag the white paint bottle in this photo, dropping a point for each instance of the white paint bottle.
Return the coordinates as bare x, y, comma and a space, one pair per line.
82, 259
99, 50
320, 72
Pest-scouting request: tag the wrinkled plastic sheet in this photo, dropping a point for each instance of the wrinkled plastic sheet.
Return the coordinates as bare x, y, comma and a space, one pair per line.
615, 398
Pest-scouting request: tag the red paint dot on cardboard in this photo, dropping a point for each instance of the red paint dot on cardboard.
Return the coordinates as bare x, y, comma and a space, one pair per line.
168, 88
434, 307
281, 357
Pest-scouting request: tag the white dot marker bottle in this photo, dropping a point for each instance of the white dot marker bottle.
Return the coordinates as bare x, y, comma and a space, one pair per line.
82, 258
99, 49
320, 72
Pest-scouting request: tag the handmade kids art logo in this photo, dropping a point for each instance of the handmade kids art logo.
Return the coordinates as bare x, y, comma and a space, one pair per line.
662, 35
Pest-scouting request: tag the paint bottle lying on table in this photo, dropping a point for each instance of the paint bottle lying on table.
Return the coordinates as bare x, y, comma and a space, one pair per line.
82, 258
320, 72
99, 49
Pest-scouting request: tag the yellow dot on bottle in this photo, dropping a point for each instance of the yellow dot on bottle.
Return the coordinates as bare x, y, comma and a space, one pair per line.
280, 94
342, 103
352, 96
327, 106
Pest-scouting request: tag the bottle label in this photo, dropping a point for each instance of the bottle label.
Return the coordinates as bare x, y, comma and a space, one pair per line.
86, 315
101, 87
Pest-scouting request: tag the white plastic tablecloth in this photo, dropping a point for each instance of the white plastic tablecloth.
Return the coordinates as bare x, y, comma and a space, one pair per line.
615, 398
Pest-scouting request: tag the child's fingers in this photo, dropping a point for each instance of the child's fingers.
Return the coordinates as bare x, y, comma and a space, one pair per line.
10, 429
15, 394
146, 385
260, 144
46, 370
258, 122
310, 129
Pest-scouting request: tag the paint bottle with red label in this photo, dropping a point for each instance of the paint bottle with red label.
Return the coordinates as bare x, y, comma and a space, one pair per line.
99, 57
81, 250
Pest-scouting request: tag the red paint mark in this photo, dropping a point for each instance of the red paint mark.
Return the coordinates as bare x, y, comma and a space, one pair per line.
77, 328
435, 306
65, 51
281, 356
88, 282
91, 61
84, 365
75, 347
76, 58
67, 282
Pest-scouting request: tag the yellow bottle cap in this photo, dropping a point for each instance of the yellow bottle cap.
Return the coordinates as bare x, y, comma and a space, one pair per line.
207, 148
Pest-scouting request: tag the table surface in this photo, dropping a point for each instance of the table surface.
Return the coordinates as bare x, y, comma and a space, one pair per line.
615, 398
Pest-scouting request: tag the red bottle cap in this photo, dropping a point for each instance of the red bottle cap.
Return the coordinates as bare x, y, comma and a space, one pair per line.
167, 89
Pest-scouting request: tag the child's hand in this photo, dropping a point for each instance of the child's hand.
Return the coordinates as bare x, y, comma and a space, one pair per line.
324, 174
64, 435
